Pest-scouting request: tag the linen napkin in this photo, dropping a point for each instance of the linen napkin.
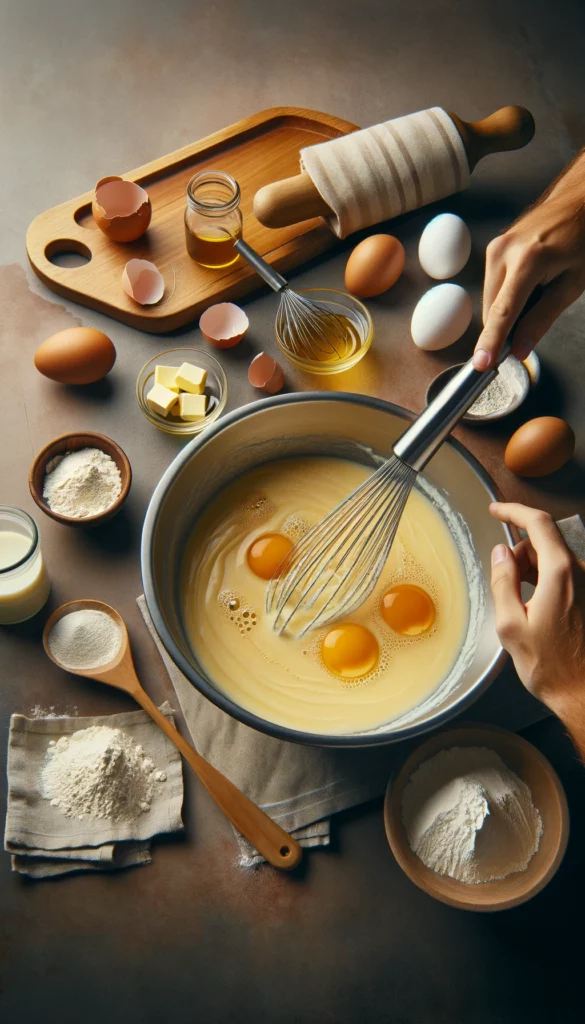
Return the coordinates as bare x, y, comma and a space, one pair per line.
301, 786
44, 842
377, 173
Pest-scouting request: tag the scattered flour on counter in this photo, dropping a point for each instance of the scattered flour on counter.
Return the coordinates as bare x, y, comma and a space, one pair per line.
38, 711
81, 483
99, 773
468, 816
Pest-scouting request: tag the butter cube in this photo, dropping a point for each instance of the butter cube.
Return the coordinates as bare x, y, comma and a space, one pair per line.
161, 400
165, 375
192, 407
191, 378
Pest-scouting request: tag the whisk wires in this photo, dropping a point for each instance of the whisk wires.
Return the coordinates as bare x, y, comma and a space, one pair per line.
336, 565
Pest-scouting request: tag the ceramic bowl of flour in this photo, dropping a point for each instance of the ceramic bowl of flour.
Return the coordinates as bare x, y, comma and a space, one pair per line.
525, 826
503, 395
99, 482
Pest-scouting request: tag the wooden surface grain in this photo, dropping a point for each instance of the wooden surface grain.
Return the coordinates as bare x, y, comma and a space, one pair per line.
90, 89
255, 151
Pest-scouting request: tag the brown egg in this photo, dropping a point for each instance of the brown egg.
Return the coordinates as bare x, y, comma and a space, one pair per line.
78, 355
375, 265
540, 447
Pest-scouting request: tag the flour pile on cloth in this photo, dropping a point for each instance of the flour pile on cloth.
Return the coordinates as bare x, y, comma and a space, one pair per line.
81, 483
468, 816
89, 794
99, 773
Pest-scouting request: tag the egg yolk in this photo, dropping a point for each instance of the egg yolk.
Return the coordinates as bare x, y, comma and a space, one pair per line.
408, 609
267, 553
350, 651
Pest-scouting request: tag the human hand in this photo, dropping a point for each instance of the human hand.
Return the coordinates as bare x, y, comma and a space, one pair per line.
546, 636
544, 247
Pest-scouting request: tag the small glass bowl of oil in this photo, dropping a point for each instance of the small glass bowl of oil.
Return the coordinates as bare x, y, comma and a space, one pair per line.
360, 332
213, 219
216, 389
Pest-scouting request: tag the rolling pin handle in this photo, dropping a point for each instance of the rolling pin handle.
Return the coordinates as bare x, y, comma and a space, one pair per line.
505, 129
289, 201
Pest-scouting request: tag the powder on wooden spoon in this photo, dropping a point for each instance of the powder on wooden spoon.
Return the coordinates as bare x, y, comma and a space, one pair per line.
86, 638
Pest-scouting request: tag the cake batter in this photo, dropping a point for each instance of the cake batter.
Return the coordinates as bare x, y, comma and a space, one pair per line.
336, 679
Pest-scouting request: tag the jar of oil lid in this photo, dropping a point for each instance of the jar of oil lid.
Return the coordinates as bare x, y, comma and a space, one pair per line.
24, 584
213, 220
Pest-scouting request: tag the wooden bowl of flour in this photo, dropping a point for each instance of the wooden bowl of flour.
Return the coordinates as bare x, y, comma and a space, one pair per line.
73, 442
548, 797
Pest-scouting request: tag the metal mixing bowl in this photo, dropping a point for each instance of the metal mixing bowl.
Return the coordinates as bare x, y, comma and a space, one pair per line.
316, 423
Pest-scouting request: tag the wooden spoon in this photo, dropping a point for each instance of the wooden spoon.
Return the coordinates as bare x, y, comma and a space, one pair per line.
276, 845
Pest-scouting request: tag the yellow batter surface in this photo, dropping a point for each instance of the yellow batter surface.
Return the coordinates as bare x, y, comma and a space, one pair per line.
283, 679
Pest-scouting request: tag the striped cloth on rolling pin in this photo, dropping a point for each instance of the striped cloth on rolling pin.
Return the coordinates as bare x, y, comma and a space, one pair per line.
380, 172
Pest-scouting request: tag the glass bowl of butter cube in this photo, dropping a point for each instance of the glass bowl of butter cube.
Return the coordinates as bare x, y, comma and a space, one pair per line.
182, 391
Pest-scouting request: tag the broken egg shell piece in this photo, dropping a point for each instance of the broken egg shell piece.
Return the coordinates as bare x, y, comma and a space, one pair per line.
265, 373
143, 282
121, 209
224, 324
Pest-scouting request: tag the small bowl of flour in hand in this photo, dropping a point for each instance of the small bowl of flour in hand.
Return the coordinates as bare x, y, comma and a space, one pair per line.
477, 818
80, 479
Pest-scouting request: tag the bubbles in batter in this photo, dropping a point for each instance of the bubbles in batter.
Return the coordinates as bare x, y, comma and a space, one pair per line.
294, 527
267, 553
237, 611
258, 508
408, 609
350, 650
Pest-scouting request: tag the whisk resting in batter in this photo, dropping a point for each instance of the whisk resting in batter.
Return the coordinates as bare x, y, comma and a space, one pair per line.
336, 565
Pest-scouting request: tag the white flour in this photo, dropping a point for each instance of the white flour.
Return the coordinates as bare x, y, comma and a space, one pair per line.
503, 391
85, 639
468, 816
81, 483
99, 773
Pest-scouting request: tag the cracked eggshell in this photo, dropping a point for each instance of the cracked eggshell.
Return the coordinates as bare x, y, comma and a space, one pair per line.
441, 316
121, 209
445, 246
265, 373
143, 282
224, 324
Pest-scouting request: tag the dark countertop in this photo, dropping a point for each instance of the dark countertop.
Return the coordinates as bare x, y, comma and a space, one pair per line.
89, 90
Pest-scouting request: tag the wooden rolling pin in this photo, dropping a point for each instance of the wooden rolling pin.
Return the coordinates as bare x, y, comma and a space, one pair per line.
296, 199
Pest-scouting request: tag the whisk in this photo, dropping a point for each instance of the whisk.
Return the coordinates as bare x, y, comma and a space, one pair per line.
306, 328
336, 565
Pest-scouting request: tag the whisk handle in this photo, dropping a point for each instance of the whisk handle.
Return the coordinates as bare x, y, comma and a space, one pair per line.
419, 443
276, 281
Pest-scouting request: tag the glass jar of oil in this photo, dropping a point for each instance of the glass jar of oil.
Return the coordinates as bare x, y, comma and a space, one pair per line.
213, 219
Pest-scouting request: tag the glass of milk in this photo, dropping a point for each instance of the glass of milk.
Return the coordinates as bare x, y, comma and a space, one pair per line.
24, 584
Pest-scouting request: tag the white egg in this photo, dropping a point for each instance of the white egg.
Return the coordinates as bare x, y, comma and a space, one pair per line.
444, 246
441, 316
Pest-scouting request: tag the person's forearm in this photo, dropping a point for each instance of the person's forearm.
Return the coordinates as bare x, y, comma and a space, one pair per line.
572, 715
569, 186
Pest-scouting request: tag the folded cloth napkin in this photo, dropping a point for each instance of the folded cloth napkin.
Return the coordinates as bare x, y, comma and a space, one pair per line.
301, 786
43, 841
380, 172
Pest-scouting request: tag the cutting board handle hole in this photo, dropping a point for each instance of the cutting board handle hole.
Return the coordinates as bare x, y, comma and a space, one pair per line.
67, 252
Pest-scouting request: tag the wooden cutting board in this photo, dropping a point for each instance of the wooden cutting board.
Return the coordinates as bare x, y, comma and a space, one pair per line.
256, 151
